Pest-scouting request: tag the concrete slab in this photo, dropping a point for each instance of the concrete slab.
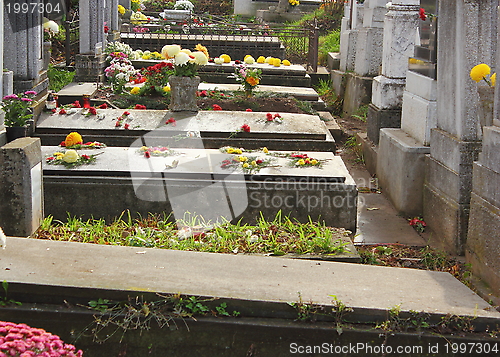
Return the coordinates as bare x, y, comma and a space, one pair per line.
217, 128
369, 290
75, 91
301, 93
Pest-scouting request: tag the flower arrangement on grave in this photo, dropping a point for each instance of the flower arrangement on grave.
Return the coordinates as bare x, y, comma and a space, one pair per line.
232, 150
75, 141
297, 159
50, 29
17, 108
482, 72
23, 340
137, 5
120, 71
418, 224
184, 5
245, 128
156, 79
116, 46
149, 151
185, 62
138, 18
276, 118
71, 158
126, 116
249, 78
293, 2
249, 164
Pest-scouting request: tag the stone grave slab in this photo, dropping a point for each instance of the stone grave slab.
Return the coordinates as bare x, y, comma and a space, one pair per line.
216, 128
75, 91
193, 180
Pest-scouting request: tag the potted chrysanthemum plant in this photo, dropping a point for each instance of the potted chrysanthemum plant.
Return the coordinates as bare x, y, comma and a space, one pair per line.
185, 80
18, 113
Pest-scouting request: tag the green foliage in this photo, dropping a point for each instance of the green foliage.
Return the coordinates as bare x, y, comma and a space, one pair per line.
332, 100
219, 7
279, 236
59, 78
328, 43
361, 113
4, 300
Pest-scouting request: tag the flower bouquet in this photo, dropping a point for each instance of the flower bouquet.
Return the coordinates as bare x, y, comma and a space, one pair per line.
120, 71
248, 77
185, 62
71, 159
17, 108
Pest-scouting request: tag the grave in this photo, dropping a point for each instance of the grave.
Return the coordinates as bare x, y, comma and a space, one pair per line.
123, 178
291, 76
216, 128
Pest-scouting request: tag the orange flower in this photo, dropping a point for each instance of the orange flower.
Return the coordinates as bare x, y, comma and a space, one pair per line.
200, 47
252, 81
73, 139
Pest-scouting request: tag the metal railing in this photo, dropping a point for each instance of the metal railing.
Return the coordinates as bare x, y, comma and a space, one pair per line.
297, 44
72, 40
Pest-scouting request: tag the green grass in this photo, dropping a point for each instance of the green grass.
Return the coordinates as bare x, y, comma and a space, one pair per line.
58, 78
328, 43
278, 237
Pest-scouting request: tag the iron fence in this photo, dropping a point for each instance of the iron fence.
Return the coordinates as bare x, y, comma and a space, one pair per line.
297, 44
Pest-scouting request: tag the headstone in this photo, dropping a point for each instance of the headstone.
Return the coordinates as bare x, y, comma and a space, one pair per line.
400, 27
370, 39
1, 50
21, 196
89, 67
467, 27
23, 37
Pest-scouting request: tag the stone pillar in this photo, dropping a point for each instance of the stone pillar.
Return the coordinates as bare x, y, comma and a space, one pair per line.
21, 196
370, 39
348, 38
90, 68
467, 36
23, 37
400, 26
482, 249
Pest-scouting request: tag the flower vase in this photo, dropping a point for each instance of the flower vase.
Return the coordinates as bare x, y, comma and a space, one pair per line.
486, 102
183, 93
15, 132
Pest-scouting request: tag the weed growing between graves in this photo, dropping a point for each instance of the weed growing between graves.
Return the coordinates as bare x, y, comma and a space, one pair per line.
277, 237
138, 313
333, 102
4, 300
361, 113
59, 78
426, 258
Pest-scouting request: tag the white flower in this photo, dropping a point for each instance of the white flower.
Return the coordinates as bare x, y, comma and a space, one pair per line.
169, 51
51, 26
181, 59
218, 60
183, 5
200, 58
249, 60
254, 238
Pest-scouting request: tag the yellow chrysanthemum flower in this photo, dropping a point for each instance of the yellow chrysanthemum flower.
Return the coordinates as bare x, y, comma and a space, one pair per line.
121, 9
135, 90
493, 79
243, 158
70, 156
314, 161
238, 151
245, 165
480, 72
144, 148
268, 59
203, 49
167, 88
73, 138
301, 162
226, 58
277, 62
254, 163
286, 63
261, 59
265, 150
230, 151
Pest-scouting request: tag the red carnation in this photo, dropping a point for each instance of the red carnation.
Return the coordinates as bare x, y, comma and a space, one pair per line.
63, 143
62, 111
259, 161
276, 116
103, 106
77, 104
140, 106
245, 128
269, 117
171, 121
126, 113
127, 126
248, 110
93, 111
118, 123
54, 110
216, 107
422, 14
86, 157
147, 154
